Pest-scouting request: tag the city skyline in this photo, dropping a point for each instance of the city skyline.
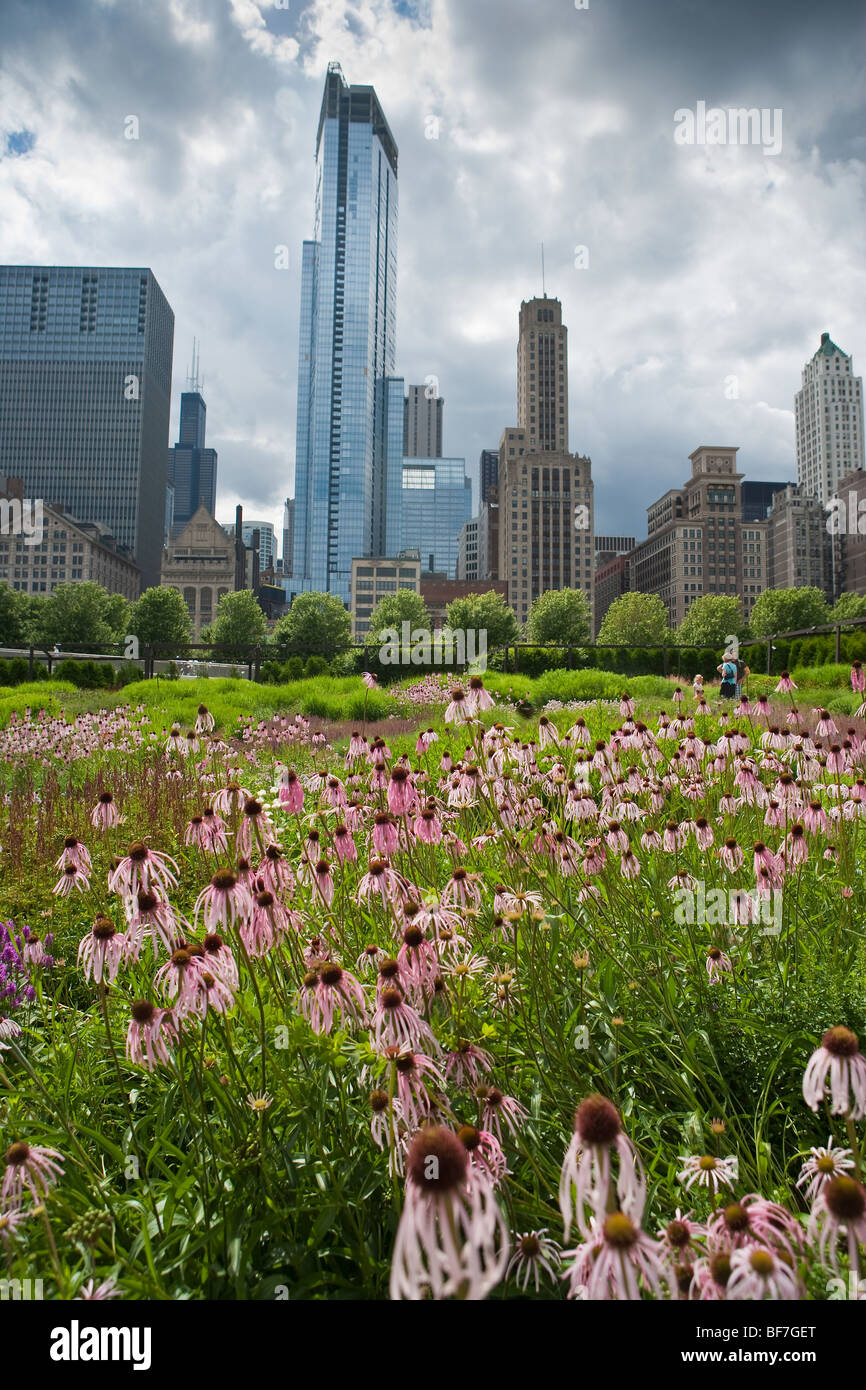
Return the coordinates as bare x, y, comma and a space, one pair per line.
682, 301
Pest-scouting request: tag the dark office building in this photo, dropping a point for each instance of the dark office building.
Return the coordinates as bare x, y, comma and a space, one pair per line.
85, 388
488, 474
756, 499
192, 469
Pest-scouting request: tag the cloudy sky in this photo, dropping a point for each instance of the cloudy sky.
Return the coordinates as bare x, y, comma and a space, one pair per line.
712, 269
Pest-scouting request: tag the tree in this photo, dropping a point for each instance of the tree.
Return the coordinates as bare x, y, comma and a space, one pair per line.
393, 610
82, 615
788, 610
14, 618
635, 620
560, 617
487, 612
711, 619
848, 606
238, 623
316, 624
160, 615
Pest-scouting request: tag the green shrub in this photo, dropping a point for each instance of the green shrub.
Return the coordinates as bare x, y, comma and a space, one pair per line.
127, 673
293, 670
316, 666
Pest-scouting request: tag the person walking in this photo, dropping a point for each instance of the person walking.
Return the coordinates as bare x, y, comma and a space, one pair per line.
728, 672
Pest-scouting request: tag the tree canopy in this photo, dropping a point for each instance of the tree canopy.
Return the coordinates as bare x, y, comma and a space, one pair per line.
560, 616
635, 619
316, 624
711, 619
788, 610
487, 612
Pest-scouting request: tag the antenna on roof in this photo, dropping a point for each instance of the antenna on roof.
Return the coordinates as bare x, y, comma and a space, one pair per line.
192, 379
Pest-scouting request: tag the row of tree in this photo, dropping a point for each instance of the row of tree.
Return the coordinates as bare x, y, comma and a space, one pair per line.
86, 617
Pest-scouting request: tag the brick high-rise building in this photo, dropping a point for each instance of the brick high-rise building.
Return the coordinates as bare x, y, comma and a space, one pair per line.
488, 474
697, 542
799, 546
545, 493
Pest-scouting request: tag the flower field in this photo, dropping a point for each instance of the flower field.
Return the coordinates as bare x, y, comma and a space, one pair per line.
444, 992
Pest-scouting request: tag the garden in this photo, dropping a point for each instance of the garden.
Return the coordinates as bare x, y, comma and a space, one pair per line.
521, 987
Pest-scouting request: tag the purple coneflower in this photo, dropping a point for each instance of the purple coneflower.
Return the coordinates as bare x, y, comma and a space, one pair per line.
29, 1166
616, 1261
837, 1071
585, 1180
101, 951
718, 965
148, 1034
452, 1239
143, 867
71, 877
223, 902
105, 815
707, 1171
758, 1273
840, 1210
534, 1254
822, 1165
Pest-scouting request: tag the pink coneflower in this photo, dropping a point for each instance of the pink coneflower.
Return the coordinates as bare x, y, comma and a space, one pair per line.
382, 879
385, 837
10, 1220
396, 1023
291, 793
585, 1179
145, 868
466, 1063
703, 832
208, 992
177, 978
840, 1210
369, 680
458, 710
452, 1239
548, 734
707, 1171
617, 1260
217, 840
274, 872
418, 960
758, 1273
30, 1166
223, 902
462, 890
427, 827
796, 848
786, 685
331, 993
218, 959
718, 965
344, 845
478, 698
825, 727
231, 798
616, 837
101, 951
74, 852
629, 865
485, 1153
731, 855
150, 916
821, 1166
534, 1254
674, 837
196, 833
98, 1292
204, 720
754, 1221
149, 1032
837, 1071
255, 827
500, 1111
324, 881
815, 819
105, 814
71, 877
710, 1277
259, 929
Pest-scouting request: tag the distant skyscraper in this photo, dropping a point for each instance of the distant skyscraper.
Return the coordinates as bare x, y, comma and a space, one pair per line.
828, 417
436, 501
542, 375
192, 469
350, 404
422, 423
267, 539
488, 474
288, 535
85, 390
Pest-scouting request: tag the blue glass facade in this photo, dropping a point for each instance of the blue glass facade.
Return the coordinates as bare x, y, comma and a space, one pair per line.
436, 501
85, 387
348, 448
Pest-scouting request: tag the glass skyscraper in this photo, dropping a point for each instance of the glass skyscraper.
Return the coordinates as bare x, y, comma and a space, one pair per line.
350, 404
192, 469
436, 501
85, 387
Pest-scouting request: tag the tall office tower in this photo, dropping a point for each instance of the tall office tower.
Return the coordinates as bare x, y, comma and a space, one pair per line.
546, 521
542, 375
422, 423
350, 405
192, 468
288, 535
799, 546
488, 472
85, 390
828, 418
